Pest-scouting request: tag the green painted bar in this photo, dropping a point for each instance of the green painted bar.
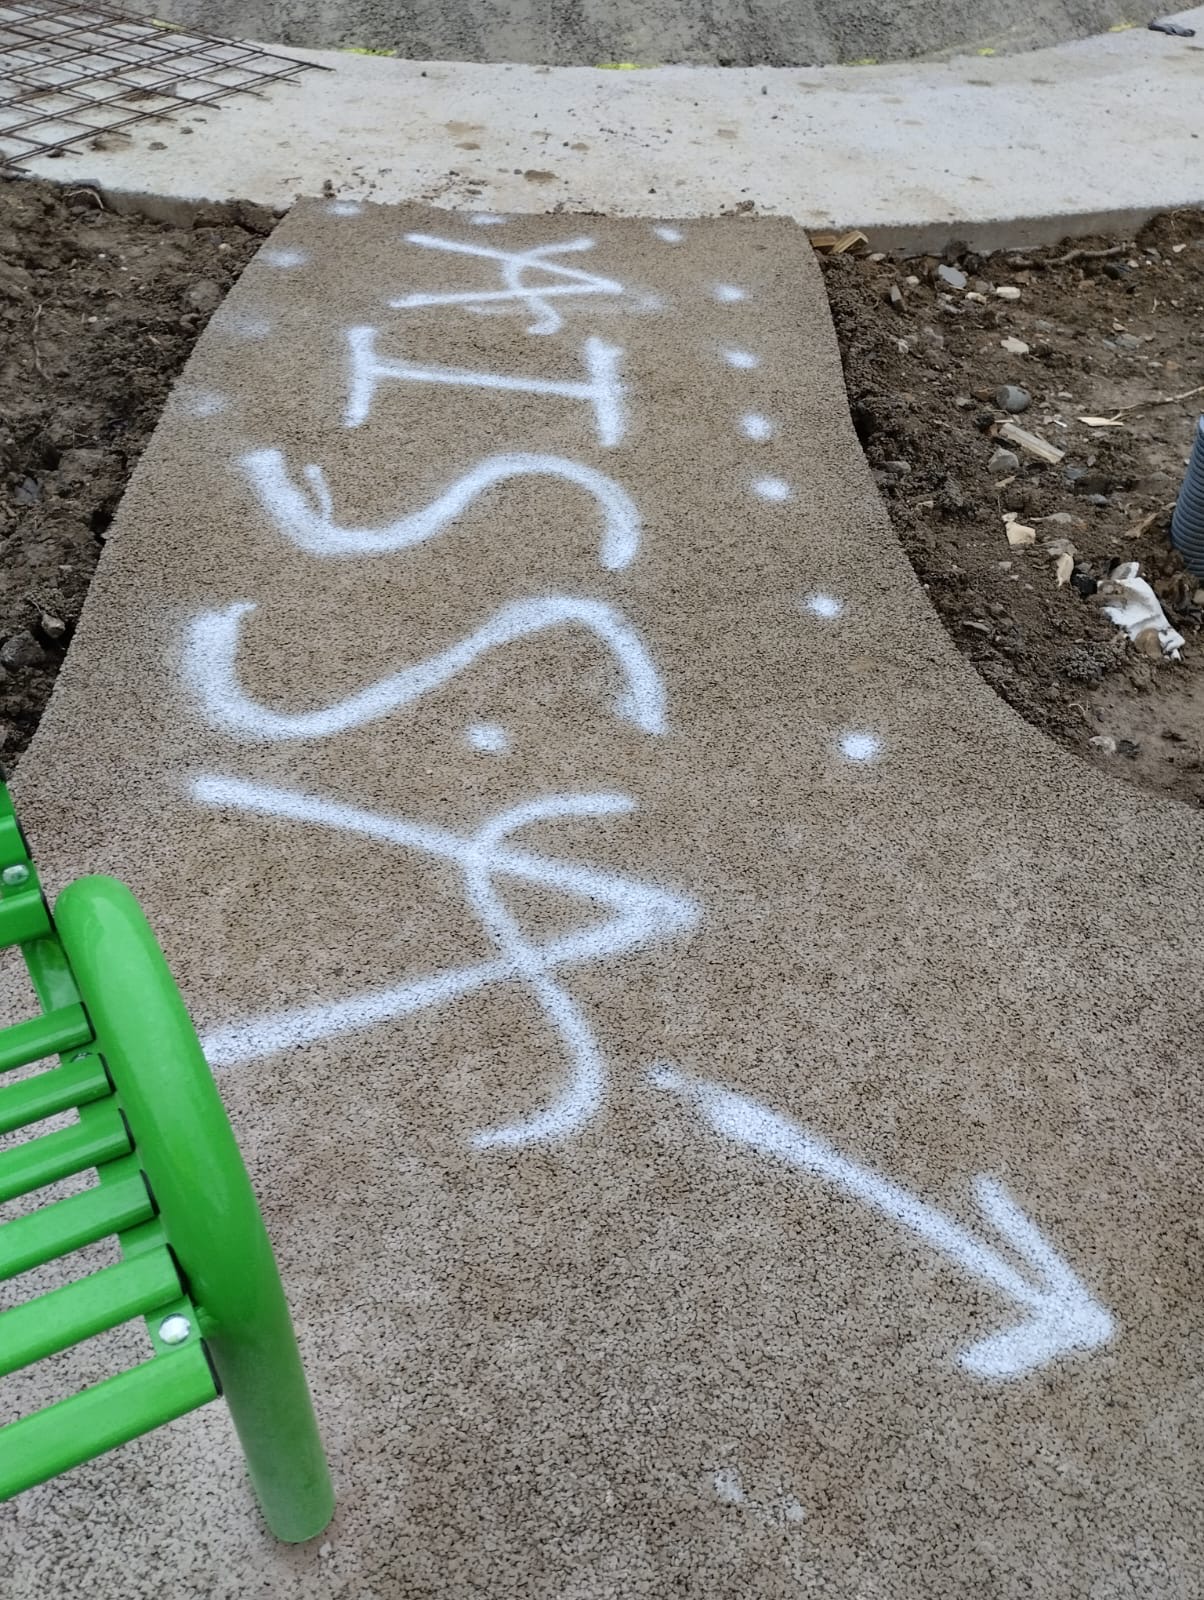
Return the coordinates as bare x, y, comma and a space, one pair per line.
98, 1419
65, 1316
68, 1225
99, 1136
49, 1035
75, 1083
206, 1204
23, 916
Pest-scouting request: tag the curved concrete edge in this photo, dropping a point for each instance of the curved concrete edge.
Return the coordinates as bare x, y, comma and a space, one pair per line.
1093, 135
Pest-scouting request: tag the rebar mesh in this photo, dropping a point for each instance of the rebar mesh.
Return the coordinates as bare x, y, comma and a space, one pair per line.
71, 74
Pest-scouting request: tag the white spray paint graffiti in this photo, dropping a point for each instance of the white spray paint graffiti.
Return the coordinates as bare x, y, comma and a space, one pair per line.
305, 516
211, 650
280, 256
1061, 1314
200, 402
860, 746
602, 389
642, 915
489, 738
245, 325
515, 264
776, 489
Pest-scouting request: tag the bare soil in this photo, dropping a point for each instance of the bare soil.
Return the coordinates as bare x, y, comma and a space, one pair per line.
98, 314
1112, 328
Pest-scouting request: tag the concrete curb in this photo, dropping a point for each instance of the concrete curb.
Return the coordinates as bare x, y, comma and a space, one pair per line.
1094, 135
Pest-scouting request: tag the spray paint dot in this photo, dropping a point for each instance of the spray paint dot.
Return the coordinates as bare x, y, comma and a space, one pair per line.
669, 235
743, 360
279, 256
202, 402
344, 208
776, 489
246, 326
728, 293
647, 304
486, 219
860, 746
488, 737
823, 605
754, 426
728, 1487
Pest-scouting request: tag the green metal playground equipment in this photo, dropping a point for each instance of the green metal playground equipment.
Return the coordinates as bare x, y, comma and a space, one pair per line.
196, 1259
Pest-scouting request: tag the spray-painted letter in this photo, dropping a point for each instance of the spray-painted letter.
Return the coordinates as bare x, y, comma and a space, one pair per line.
211, 651
641, 914
514, 264
602, 388
305, 514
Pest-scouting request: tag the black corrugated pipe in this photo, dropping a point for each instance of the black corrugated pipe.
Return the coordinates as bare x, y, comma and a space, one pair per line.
1187, 524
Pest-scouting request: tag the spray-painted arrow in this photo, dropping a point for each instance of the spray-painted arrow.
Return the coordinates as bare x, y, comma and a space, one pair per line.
1063, 1316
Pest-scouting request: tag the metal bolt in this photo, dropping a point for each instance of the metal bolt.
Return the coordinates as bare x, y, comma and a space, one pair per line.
12, 876
174, 1330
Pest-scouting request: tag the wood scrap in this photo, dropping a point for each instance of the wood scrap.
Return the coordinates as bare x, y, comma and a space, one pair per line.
1041, 448
837, 244
1164, 399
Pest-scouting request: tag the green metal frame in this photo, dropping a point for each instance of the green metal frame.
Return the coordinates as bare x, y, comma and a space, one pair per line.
196, 1259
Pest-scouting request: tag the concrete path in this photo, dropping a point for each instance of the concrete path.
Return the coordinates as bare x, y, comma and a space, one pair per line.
988, 150
723, 1089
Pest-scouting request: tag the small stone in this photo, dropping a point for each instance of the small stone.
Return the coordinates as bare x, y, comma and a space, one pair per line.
22, 650
1007, 291
1092, 484
1127, 341
53, 627
951, 276
1002, 462
897, 469
1128, 747
1014, 347
954, 493
1058, 516
204, 296
1011, 397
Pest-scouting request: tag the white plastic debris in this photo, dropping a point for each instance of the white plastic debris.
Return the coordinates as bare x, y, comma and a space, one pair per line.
1139, 612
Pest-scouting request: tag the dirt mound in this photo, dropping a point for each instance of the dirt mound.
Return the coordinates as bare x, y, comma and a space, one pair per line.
732, 33
98, 313
1102, 329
